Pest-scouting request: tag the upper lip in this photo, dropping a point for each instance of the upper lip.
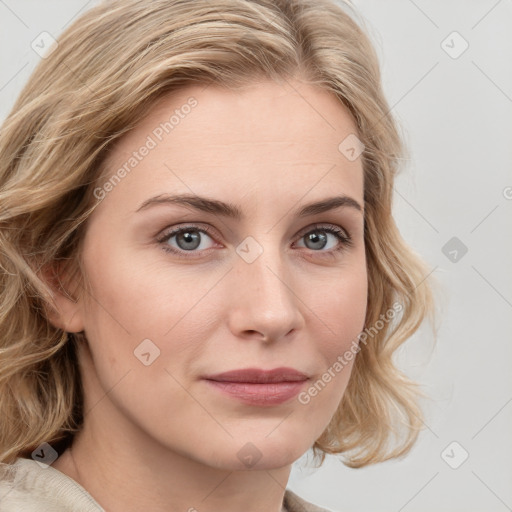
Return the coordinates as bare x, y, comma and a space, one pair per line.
257, 375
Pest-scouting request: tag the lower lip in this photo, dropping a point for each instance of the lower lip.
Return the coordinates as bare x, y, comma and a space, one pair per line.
273, 393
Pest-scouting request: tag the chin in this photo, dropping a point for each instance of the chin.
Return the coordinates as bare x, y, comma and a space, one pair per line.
258, 454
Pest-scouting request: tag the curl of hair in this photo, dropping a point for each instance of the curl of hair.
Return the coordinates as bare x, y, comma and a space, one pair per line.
108, 68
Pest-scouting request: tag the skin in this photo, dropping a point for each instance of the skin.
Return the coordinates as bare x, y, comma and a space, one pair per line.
158, 437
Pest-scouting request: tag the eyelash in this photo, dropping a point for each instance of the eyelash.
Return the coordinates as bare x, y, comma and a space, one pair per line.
342, 235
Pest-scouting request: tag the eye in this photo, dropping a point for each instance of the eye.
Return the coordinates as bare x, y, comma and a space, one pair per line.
191, 239
317, 238
187, 239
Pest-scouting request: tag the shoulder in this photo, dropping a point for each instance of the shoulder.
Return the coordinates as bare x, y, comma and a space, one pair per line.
30, 486
294, 503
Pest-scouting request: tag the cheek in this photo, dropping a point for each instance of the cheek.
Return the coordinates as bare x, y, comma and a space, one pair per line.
140, 298
136, 301
340, 305
340, 311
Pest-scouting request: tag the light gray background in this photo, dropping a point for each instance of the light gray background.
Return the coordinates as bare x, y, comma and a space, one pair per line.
456, 115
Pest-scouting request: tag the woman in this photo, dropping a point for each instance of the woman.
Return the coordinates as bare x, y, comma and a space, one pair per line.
175, 178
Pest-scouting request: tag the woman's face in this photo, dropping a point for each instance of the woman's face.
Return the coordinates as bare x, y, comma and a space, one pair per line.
249, 282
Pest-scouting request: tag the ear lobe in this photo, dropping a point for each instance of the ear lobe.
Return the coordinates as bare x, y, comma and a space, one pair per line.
65, 313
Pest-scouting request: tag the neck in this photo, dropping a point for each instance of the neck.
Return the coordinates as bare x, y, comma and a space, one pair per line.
121, 476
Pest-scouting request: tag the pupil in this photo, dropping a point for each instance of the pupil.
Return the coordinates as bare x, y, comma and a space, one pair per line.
189, 239
315, 238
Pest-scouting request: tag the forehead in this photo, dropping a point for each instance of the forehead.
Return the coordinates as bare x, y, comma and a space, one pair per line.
265, 138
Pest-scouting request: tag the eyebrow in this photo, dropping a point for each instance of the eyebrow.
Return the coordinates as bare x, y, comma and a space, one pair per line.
216, 207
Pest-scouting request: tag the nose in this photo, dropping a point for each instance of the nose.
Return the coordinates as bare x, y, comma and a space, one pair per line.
264, 304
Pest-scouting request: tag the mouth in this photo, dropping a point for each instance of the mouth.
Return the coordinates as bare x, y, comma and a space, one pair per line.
260, 387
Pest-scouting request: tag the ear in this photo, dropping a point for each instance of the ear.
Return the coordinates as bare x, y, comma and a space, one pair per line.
66, 311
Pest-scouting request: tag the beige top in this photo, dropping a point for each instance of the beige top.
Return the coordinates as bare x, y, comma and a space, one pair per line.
27, 486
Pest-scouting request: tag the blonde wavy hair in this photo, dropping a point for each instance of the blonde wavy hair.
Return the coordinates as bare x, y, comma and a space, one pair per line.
106, 71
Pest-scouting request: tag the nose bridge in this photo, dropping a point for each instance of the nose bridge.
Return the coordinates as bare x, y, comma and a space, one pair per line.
264, 300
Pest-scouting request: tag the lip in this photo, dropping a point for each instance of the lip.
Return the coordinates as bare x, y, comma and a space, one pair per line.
256, 386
